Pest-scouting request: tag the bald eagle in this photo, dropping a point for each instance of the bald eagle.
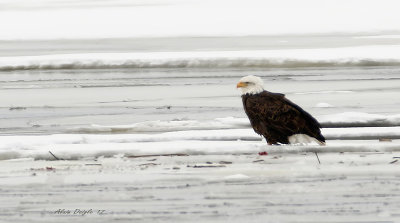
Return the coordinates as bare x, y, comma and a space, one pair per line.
275, 117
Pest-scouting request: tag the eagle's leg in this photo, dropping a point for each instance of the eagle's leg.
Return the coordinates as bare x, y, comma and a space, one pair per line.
272, 142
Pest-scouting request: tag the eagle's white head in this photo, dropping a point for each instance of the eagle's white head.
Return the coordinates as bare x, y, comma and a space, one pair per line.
250, 85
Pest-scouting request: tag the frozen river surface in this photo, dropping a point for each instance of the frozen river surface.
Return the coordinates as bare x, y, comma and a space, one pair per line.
101, 123
108, 130
343, 187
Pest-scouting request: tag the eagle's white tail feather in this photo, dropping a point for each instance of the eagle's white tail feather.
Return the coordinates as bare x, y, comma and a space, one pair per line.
304, 139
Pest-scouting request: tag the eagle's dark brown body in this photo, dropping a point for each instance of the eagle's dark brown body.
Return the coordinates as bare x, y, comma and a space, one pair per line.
276, 118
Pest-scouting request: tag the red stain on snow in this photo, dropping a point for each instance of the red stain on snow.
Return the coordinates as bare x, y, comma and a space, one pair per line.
263, 153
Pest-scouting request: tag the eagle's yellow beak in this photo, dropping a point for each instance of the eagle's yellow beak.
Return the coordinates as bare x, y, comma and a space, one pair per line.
241, 84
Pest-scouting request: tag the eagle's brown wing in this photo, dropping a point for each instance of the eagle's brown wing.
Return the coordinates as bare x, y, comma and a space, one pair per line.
277, 118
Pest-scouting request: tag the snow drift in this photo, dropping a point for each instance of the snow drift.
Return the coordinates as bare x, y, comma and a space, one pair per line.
284, 58
193, 142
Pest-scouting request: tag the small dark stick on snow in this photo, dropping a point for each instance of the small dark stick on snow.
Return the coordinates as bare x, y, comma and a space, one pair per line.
171, 154
317, 157
54, 156
394, 161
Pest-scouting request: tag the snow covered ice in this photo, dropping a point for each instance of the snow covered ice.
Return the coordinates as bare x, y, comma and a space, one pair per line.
286, 187
125, 112
175, 146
